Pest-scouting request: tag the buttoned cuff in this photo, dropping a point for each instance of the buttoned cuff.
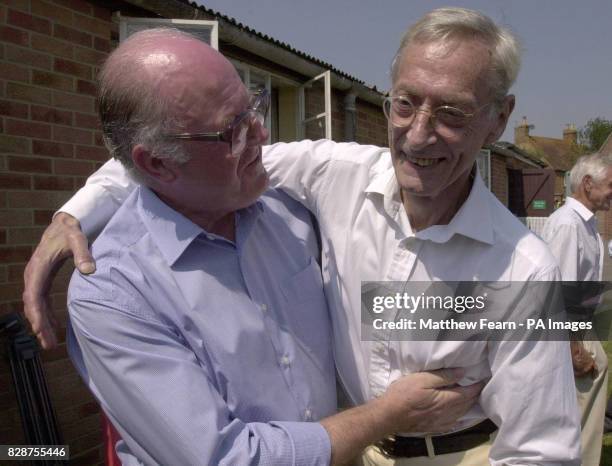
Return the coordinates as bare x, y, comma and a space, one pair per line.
92, 206
311, 444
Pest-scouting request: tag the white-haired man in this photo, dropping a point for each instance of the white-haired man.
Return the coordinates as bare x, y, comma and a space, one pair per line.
418, 212
572, 235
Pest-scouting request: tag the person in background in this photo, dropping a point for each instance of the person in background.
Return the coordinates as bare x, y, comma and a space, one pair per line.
572, 235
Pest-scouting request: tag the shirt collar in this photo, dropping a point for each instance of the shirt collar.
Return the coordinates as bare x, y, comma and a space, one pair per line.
579, 208
171, 231
473, 220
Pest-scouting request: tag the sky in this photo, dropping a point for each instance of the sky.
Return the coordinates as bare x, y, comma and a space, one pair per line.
566, 76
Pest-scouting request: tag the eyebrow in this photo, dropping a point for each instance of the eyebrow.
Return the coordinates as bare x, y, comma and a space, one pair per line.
448, 100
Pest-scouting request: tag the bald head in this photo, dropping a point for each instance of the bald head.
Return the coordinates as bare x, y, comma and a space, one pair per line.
149, 86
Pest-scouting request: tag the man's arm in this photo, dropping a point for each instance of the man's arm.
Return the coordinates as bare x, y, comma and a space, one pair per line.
166, 407
85, 213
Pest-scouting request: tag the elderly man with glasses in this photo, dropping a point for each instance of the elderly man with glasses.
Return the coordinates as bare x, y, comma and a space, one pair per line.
205, 333
418, 211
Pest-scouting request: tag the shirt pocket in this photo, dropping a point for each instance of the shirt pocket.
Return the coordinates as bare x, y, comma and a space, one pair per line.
305, 285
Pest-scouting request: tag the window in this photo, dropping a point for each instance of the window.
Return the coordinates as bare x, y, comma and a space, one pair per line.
207, 31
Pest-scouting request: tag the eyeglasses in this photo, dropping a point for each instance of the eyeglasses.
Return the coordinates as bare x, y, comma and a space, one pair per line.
401, 111
236, 132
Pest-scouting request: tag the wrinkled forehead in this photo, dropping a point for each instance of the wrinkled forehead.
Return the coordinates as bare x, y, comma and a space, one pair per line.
453, 66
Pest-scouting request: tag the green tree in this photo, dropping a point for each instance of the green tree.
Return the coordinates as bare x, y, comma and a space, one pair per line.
592, 135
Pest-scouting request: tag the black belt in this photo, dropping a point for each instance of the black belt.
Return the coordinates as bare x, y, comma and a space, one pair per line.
409, 447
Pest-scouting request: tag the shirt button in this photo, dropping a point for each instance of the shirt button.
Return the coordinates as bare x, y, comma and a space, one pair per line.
285, 361
308, 415
263, 307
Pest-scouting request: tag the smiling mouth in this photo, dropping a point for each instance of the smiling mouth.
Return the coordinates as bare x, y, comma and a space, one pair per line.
423, 162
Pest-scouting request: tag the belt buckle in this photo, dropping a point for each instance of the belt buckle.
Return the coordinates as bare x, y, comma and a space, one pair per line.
431, 452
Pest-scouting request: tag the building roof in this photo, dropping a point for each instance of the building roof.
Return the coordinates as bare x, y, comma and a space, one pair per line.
556, 153
507, 149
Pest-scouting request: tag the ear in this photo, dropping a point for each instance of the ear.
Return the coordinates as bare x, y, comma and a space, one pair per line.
501, 119
160, 170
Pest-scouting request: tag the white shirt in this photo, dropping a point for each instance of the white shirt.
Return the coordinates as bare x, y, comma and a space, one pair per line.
366, 235
571, 233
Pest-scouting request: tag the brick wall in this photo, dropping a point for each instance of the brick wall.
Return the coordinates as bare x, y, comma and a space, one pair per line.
49, 143
371, 124
499, 178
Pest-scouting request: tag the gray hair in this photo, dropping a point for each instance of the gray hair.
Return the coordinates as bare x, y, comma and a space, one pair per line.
131, 111
447, 24
593, 165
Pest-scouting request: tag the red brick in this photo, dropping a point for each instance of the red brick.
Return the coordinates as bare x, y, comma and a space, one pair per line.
84, 120
77, 5
15, 218
72, 35
15, 271
72, 167
22, 5
98, 140
23, 236
89, 56
28, 57
92, 25
54, 183
14, 72
13, 145
54, 149
33, 199
2, 14
53, 12
102, 45
53, 46
80, 103
51, 115
87, 87
14, 109
16, 36
11, 291
29, 164
52, 80
99, 154
28, 93
73, 68
3, 241
14, 254
67, 134
102, 13
14, 181
42, 217
28, 128
25, 21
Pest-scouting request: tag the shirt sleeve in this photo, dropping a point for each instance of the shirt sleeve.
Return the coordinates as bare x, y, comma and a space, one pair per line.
95, 203
163, 400
532, 399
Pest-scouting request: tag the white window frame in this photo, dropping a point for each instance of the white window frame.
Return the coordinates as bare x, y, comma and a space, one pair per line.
246, 69
326, 115
483, 162
126, 21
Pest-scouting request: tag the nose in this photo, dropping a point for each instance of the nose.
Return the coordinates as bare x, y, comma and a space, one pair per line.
420, 133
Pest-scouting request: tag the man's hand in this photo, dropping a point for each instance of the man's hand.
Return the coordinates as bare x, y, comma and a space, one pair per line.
61, 239
421, 402
429, 401
582, 360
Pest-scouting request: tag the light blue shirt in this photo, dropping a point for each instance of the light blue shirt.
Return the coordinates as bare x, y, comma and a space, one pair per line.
204, 351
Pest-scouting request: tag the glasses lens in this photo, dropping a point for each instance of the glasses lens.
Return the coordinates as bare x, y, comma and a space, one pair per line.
450, 116
399, 110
